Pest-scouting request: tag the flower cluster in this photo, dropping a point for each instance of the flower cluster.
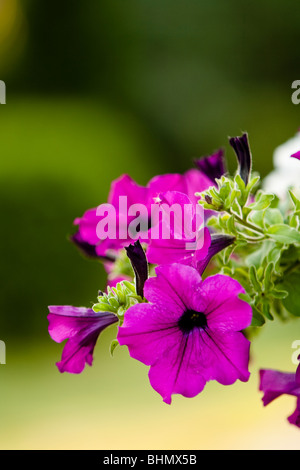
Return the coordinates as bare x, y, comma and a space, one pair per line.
194, 263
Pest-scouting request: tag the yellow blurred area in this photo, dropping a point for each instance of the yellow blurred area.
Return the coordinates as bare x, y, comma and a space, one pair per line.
112, 405
13, 31
60, 157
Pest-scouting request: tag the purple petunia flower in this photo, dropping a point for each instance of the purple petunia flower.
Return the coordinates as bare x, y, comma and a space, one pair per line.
81, 326
275, 383
188, 183
190, 331
243, 153
187, 243
213, 166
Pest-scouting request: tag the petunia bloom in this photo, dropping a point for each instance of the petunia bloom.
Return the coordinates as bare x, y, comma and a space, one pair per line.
243, 153
139, 264
213, 166
82, 327
275, 383
190, 332
187, 241
124, 194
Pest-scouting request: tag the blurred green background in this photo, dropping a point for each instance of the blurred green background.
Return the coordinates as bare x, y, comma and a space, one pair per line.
96, 89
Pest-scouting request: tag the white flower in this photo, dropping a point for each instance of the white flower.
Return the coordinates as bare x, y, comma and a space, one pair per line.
286, 173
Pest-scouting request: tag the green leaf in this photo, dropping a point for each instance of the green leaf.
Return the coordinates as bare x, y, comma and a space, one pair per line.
296, 203
257, 257
262, 201
275, 202
240, 183
236, 208
224, 191
254, 180
257, 218
212, 221
294, 221
226, 271
254, 279
243, 193
231, 225
267, 310
257, 318
274, 257
113, 346
227, 253
268, 284
279, 294
234, 193
273, 217
283, 234
246, 297
103, 307
274, 254
291, 284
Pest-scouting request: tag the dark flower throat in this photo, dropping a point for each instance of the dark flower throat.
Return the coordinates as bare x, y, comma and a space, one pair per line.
191, 319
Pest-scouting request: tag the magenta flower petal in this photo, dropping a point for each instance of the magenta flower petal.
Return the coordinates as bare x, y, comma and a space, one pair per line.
195, 181
123, 196
184, 243
213, 165
274, 383
181, 337
171, 286
87, 226
224, 309
126, 186
178, 370
219, 242
296, 155
295, 417
189, 183
162, 183
297, 376
148, 331
81, 326
229, 361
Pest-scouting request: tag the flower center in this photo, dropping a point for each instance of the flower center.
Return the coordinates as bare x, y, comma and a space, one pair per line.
191, 319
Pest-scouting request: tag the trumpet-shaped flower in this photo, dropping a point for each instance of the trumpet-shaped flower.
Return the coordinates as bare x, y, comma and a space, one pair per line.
81, 326
190, 331
124, 194
275, 383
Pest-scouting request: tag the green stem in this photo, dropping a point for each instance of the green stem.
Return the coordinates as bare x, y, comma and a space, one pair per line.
247, 224
253, 239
